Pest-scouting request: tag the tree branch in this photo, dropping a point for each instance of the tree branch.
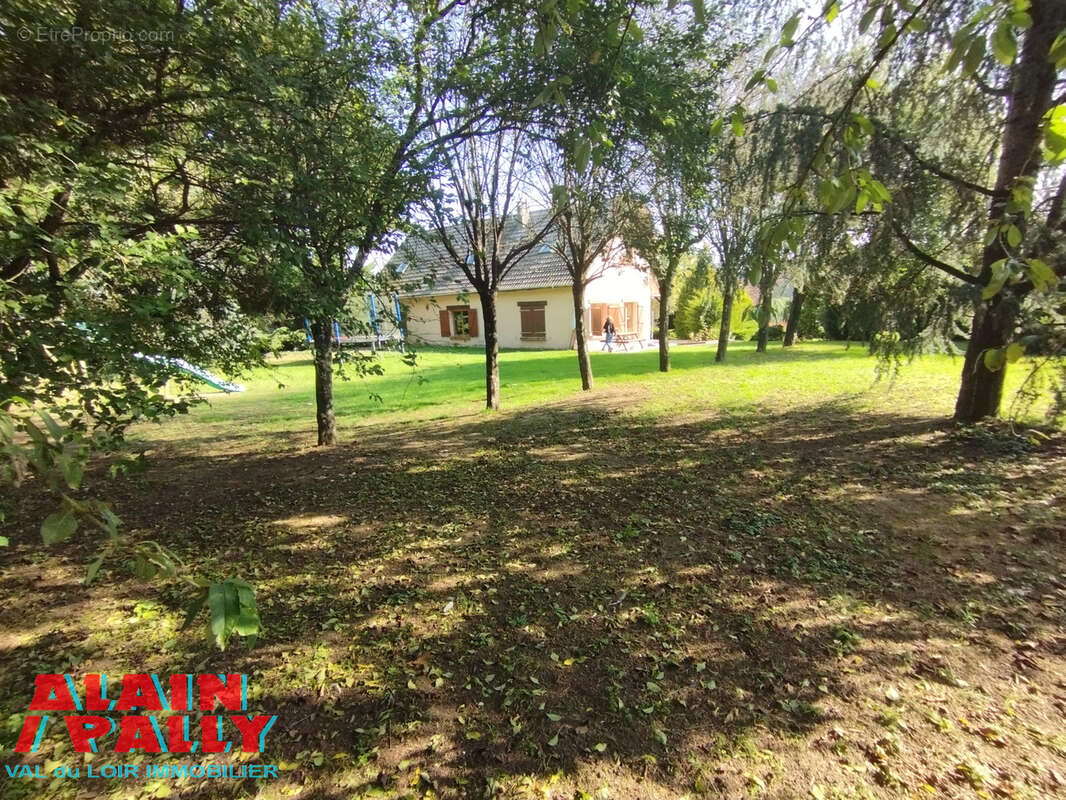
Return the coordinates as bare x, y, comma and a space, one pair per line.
932, 261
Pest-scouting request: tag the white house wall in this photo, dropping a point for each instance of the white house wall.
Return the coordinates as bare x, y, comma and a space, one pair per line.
616, 286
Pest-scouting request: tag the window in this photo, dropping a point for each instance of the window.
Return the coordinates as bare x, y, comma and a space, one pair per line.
600, 312
458, 322
544, 249
461, 322
532, 314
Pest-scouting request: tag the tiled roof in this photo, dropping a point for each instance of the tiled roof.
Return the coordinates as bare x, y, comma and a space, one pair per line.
423, 266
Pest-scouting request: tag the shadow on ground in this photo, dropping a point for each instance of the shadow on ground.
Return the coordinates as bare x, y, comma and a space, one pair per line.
714, 606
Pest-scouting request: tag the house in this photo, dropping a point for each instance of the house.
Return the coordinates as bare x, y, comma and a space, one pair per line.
534, 306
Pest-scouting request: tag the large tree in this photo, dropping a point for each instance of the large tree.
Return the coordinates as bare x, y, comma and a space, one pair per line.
595, 203
104, 279
673, 111
482, 224
330, 146
1012, 58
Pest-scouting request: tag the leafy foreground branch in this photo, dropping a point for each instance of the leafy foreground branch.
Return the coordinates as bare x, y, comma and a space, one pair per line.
35, 445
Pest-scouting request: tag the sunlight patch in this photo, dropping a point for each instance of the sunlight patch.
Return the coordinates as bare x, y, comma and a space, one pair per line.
308, 521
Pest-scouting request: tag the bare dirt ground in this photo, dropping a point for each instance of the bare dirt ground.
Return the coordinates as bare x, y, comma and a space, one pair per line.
577, 602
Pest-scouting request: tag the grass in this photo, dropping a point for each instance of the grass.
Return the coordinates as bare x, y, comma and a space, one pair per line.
775, 578
448, 383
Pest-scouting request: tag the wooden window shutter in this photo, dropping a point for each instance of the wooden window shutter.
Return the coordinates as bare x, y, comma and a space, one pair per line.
596, 311
472, 316
445, 326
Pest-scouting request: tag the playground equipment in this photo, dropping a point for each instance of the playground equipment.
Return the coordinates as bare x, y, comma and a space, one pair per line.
376, 340
199, 373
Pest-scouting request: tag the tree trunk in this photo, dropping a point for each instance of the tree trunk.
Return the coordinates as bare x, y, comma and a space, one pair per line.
322, 333
664, 324
981, 390
583, 363
1031, 91
794, 317
492, 351
766, 309
727, 321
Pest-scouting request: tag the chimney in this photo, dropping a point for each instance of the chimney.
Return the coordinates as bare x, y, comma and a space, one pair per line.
523, 213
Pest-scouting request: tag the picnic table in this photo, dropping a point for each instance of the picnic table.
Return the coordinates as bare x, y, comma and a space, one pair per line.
623, 340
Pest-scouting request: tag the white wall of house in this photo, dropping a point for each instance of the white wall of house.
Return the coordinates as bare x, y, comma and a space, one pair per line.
616, 287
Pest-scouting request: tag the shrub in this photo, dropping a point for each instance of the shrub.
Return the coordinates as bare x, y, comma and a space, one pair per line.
699, 314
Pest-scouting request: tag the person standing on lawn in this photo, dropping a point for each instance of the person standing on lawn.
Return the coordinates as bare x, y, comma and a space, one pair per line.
608, 335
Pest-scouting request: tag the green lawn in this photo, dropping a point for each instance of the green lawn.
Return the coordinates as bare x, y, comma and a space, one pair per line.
775, 579
448, 383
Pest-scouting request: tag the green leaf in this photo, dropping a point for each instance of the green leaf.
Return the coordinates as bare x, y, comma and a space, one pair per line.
3, 541
553, 741
737, 121
1055, 133
699, 13
581, 155
1004, 45
93, 568
1058, 51
993, 287
1014, 236
788, 32
887, 35
1020, 19
1042, 275
193, 608
1015, 350
994, 359
831, 11
974, 54
58, 527
867, 19
660, 737
560, 196
861, 201
224, 607
71, 468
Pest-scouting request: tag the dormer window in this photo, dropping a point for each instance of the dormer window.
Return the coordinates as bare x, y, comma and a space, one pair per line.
544, 249
401, 267
470, 258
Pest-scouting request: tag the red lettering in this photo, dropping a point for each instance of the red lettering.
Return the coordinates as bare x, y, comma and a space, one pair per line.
177, 735
138, 691
84, 731
179, 692
28, 734
251, 729
211, 734
51, 693
227, 692
96, 693
137, 733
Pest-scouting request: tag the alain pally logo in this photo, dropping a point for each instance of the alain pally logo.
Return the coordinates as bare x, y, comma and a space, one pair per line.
169, 732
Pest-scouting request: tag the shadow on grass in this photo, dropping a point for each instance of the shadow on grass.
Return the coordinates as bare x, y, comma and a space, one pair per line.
568, 587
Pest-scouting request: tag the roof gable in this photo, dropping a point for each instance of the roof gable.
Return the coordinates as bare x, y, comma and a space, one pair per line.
424, 266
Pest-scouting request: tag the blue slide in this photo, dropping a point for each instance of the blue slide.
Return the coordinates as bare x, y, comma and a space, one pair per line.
197, 372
